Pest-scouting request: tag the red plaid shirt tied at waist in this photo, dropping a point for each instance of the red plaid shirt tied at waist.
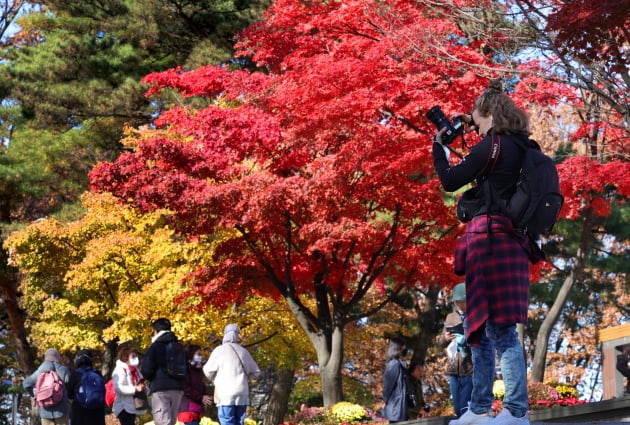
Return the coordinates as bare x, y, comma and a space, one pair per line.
495, 259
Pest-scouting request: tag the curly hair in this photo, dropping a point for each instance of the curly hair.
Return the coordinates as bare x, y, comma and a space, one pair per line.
507, 118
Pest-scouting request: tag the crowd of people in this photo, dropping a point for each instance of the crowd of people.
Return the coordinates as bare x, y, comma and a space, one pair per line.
173, 375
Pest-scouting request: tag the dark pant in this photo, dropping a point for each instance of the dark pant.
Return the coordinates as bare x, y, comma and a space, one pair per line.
127, 418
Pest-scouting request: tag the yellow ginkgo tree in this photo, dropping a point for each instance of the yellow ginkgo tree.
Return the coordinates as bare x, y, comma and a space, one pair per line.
106, 276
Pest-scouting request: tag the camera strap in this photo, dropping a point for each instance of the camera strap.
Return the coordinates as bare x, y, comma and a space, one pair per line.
493, 156
488, 190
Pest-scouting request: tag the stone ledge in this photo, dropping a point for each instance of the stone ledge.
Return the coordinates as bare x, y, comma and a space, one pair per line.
607, 412
607, 409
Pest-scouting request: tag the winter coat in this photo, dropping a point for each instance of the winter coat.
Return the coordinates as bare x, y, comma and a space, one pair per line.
154, 365
125, 381
195, 389
396, 391
80, 415
230, 367
459, 365
62, 408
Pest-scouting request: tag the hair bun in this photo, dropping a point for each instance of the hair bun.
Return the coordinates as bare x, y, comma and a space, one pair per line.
496, 85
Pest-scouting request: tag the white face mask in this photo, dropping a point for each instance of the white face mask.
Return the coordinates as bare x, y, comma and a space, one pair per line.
134, 361
197, 358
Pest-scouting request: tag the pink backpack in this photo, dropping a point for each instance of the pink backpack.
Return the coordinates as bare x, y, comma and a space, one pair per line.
49, 389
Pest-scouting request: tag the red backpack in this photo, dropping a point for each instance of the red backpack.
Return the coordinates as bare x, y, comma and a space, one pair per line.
110, 393
49, 389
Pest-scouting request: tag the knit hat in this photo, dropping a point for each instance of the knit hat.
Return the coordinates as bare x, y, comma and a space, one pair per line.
52, 355
459, 292
230, 333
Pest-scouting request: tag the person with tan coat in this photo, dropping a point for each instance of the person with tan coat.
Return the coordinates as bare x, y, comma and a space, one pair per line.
460, 367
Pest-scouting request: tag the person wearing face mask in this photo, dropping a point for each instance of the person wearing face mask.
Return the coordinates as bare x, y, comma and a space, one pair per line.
195, 391
127, 381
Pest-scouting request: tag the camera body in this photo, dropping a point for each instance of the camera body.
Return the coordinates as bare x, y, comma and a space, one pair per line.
439, 120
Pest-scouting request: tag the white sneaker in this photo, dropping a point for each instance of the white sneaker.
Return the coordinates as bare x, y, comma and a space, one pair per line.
506, 418
470, 418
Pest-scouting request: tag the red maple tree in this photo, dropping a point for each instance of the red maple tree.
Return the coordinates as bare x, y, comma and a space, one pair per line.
335, 204
333, 200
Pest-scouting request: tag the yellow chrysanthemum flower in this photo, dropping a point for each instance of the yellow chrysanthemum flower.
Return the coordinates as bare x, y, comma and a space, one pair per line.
498, 389
347, 412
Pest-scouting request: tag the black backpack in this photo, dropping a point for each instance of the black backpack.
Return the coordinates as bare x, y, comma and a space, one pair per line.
175, 360
536, 203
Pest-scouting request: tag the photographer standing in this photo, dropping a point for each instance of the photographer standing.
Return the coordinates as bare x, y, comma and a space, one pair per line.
492, 254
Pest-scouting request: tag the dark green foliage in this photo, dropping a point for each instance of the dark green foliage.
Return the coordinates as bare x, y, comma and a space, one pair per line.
607, 263
70, 83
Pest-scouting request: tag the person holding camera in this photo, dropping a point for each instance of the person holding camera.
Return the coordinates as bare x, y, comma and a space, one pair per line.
460, 365
396, 381
493, 256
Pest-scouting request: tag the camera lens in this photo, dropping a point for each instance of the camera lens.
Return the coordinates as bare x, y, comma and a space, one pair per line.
437, 117
439, 120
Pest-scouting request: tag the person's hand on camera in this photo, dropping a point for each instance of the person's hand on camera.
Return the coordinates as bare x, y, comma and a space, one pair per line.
438, 139
468, 119
449, 336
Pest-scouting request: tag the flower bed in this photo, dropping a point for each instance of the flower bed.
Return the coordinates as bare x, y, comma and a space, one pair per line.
340, 413
541, 396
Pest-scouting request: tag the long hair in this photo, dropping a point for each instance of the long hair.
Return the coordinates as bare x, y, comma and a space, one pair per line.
395, 348
507, 118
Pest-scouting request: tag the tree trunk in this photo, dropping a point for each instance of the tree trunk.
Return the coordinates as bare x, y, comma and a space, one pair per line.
327, 339
279, 399
17, 317
109, 358
330, 359
542, 340
425, 307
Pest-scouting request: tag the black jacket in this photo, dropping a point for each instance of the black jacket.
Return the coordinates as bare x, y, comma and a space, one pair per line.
79, 414
154, 366
479, 165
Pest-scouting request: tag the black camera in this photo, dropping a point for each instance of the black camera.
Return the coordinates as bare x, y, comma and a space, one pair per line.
457, 329
439, 120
